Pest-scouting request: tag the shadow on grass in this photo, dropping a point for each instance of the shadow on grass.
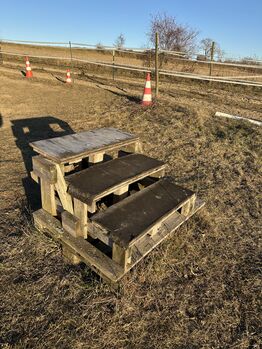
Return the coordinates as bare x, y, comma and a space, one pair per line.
30, 130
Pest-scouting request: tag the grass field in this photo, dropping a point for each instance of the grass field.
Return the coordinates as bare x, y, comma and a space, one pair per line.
199, 289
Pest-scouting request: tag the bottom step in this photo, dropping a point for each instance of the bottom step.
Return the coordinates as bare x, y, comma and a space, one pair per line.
99, 262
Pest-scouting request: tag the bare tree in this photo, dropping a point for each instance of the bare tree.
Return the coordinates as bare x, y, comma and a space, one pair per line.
172, 35
100, 46
206, 44
120, 41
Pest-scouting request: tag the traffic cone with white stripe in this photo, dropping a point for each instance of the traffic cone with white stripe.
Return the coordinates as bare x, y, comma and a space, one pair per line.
29, 73
147, 96
68, 76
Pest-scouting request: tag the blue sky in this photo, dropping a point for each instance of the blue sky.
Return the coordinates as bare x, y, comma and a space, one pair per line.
235, 24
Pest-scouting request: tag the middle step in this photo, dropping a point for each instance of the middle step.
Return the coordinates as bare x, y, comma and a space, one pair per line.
98, 181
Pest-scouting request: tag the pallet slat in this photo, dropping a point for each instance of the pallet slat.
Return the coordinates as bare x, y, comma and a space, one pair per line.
112, 176
89, 254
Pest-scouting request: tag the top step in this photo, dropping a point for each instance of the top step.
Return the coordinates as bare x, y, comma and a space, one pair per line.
102, 179
132, 217
83, 144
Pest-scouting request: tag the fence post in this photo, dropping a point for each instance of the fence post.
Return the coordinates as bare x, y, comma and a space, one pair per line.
211, 57
113, 58
156, 64
71, 62
1, 55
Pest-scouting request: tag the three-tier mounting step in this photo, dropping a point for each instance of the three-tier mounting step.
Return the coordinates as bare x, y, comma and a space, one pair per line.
111, 213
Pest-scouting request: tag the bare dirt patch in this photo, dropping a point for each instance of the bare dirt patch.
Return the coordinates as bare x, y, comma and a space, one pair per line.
199, 289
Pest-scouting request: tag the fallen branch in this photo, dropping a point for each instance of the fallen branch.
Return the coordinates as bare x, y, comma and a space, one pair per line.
256, 122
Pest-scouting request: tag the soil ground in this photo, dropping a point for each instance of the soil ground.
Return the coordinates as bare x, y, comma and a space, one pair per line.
199, 289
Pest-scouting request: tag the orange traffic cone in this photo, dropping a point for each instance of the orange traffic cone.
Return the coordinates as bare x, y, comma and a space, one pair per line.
68, 76
29, 73
147, 96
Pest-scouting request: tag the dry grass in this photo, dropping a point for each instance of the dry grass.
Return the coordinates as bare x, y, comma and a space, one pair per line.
199, 289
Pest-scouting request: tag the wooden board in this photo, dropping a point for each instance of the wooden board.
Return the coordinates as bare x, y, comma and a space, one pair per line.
131, 218
79, 145
98, 181
81, 250
99, 262
168, 226
44, 168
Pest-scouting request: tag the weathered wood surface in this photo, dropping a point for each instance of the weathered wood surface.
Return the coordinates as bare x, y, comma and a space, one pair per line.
61, 188
71, 224
112, 176
44, 168
80, 145
48, 197
169, 226
131, 218
98, 261
78, 249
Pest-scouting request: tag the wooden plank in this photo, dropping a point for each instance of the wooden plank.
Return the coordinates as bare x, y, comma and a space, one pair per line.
120, 256
188, 206
61, 188
99, 262
103, 179
71, 224
237, 117
34, 176
80, 211
48, 197
70, 256
66, 148
44, 168
169, 226
131, 218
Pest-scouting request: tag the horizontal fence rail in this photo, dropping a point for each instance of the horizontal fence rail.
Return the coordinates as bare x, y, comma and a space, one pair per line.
178, 56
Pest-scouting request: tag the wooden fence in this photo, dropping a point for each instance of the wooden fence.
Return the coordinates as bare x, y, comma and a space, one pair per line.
76, 52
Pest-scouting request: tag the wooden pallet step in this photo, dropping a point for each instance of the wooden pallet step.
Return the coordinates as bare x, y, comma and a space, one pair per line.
86, 252
113, 176
143, 212
69, 147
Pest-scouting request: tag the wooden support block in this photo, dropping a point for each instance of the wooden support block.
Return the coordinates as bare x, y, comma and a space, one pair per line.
121, 190
92, 208
70, 256
138, 147
120, 193
69, 168
155, 229
48, 197
44, 168
34, 177
71, 224
158, 174
121, 256
135, 147
61, 188
80, 210
93, 159
188, 207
